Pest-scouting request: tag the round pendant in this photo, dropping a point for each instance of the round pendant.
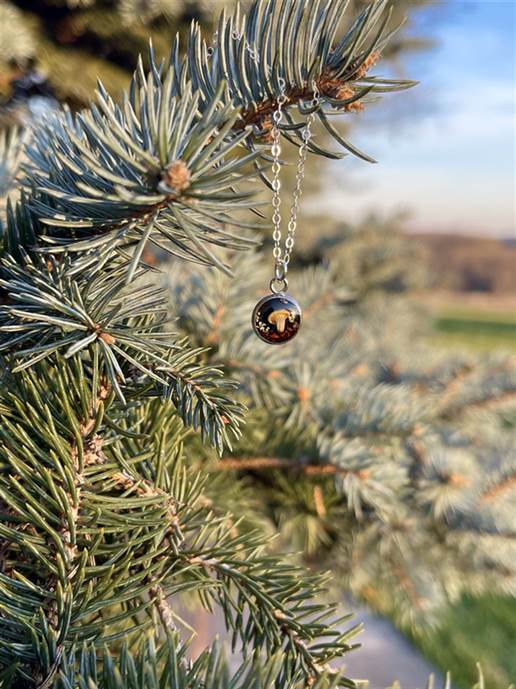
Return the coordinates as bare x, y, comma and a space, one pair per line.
277, 318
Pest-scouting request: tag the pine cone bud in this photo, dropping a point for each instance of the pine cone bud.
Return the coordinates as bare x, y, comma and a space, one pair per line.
107, 338
303, 394
345, 92
177, 176
457, 480
366, 66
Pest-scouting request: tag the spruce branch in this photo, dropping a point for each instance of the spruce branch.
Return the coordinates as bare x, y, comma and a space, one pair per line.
294, 41
499, 488
400, 455
170, 166
122, 332
104, 512
152, 170
53, 521
272, 463
271, 608
161, 665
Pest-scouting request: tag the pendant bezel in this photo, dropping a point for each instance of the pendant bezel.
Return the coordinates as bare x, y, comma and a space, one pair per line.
294, 306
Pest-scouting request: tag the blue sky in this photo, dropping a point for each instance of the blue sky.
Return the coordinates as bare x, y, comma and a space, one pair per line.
446, 150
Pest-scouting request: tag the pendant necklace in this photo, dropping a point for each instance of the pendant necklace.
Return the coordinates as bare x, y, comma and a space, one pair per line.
277, 316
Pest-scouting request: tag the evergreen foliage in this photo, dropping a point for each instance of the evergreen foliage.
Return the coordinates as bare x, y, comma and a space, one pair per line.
389, 462
103, 38
114, 501
104, 517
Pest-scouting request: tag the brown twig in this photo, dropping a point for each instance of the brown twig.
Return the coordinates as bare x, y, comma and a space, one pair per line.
502, 487
269, 463
326, 85
163, 607
494, 402
320, 506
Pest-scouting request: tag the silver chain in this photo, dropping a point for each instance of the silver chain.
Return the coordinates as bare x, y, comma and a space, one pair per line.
282, 257
279, 282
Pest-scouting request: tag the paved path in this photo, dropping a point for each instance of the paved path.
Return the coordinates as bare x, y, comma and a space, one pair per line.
385, 655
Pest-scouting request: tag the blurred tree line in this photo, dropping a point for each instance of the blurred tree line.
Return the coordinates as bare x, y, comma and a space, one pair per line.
471, 264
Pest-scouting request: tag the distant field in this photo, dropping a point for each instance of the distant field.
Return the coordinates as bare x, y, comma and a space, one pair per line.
475, 630
480, 324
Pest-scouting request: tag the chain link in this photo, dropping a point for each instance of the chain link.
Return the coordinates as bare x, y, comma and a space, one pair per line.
236, 36
282, 257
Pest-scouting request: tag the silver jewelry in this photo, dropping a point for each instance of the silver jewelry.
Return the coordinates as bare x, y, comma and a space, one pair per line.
277, 317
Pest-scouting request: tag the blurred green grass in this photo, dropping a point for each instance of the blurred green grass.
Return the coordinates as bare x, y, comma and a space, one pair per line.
474, 630
475, 328
479, 629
